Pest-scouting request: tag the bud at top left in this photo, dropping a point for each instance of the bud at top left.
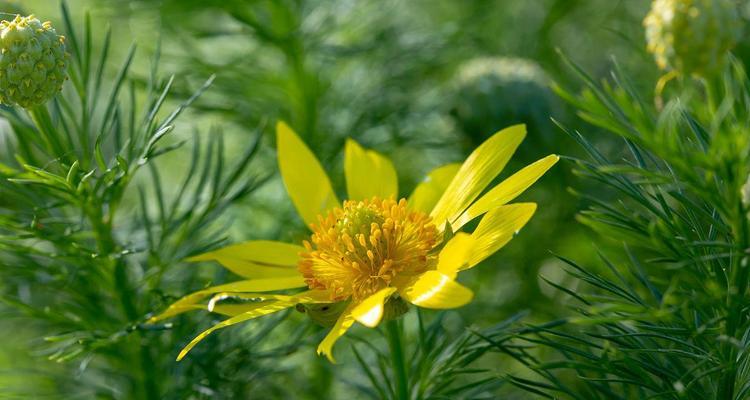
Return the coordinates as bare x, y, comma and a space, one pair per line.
33, 62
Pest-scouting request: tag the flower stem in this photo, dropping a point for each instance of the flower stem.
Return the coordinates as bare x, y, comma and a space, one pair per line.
397, 357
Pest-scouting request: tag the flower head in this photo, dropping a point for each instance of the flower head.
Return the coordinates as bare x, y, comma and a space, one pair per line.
33, 61
692, 36
360, 248
370, 256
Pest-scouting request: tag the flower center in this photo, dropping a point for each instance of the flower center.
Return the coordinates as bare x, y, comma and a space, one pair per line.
358, 249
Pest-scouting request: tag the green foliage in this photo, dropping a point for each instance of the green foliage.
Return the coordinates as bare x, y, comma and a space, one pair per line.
667, 317
88, 230
438, 364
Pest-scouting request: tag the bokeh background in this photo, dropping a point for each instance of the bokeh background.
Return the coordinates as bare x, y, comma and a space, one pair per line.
422, 81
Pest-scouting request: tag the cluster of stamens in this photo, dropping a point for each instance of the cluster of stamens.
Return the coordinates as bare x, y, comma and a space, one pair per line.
358, 249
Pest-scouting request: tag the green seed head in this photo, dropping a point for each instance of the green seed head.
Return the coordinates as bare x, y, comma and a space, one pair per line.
494, 92
33, 61
692, 36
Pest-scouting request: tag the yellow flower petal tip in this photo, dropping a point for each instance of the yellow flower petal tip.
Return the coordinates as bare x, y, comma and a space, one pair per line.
428, 192
434, 289
370, 311
327, 353
282, 128
482, 166
368, 173
306, 182
507, 190
192, 344
198, 258
342, 325
267, 308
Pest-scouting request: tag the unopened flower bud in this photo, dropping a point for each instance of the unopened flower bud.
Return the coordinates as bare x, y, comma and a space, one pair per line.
492, 92
33, 62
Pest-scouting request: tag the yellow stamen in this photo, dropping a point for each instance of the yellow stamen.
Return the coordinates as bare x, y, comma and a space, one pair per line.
358, 249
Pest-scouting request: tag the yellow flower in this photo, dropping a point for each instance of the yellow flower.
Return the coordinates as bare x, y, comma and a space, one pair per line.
373, 249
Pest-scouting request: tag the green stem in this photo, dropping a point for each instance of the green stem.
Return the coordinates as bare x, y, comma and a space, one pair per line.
393, 330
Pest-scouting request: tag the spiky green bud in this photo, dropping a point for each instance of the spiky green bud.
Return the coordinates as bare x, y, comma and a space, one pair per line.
692, 36
33, 61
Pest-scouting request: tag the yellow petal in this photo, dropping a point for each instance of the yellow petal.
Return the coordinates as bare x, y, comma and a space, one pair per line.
253, 285
434, 289
370, 311
368, 173
507, 190
247, 269
231, 310
479, 169
174, 310
307, 297
345, 321
261, 310
427, 193
256, 258
456, 254
313, 296
306, 181
497, 228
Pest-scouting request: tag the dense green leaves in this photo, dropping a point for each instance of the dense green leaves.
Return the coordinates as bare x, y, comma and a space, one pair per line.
88, 229
666, 316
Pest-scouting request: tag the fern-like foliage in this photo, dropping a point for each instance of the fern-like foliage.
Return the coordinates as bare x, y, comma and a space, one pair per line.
439, 363
666, 316
89, 229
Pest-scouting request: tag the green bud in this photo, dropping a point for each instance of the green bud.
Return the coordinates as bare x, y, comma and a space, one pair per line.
493, 92
692, 36
33, 62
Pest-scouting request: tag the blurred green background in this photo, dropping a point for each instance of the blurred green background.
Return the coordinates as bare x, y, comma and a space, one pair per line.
422, 81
